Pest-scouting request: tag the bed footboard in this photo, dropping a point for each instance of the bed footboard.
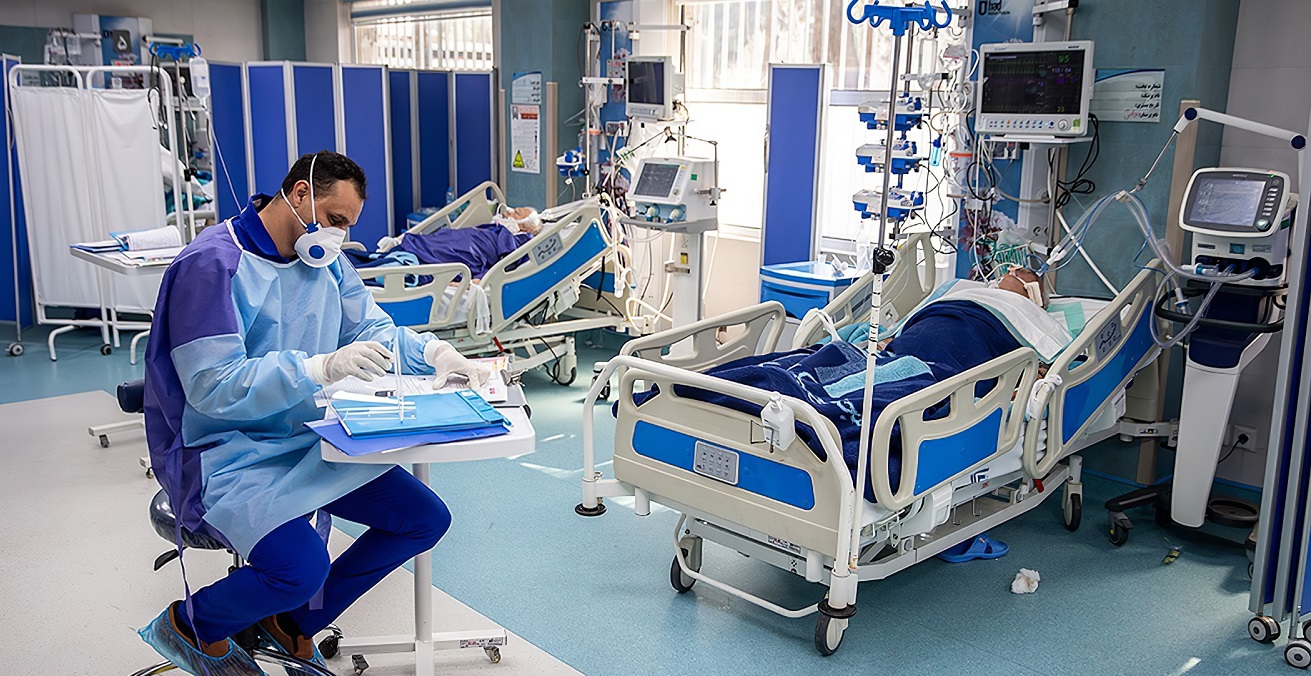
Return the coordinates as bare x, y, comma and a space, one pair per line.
1114, 345
420, 307
935, 452
714, 460
763, 324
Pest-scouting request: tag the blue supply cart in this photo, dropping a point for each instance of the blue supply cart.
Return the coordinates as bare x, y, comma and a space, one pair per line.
803, 286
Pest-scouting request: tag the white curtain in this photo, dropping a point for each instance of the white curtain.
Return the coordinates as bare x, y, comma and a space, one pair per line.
126, 171
90, 165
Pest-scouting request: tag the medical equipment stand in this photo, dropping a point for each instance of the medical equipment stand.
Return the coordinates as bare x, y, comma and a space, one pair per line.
521, 440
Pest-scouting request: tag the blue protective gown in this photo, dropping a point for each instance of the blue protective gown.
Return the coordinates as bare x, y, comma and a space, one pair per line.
227, 394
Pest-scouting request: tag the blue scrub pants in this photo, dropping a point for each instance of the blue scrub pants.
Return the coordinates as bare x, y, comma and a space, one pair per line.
290, 565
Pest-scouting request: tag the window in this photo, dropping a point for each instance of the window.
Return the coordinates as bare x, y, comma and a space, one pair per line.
730, 45
734, 41
434, 42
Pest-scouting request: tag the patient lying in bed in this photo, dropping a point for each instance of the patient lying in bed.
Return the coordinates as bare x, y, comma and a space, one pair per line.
480, 247
945, 336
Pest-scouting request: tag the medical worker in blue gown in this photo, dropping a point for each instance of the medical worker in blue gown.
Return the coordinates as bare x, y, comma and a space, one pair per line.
253, 318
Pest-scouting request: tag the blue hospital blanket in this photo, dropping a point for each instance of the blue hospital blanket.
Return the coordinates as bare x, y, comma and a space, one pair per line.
479, 247
944, 340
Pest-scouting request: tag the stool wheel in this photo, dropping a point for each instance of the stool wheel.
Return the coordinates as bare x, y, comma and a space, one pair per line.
330, 646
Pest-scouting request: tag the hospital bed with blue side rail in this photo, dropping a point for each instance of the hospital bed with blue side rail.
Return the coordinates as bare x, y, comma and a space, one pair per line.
786, 506
527, 304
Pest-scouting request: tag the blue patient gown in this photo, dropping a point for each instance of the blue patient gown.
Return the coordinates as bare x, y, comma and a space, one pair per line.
227, 394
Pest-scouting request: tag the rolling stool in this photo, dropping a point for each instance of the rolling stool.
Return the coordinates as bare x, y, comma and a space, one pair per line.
165, 524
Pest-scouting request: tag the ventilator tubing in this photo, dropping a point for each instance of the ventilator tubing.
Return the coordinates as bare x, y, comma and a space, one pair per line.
165, 639
1074, 239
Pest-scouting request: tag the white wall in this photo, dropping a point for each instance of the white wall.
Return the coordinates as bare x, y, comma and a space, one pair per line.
327, 32
1271, 68
228, 30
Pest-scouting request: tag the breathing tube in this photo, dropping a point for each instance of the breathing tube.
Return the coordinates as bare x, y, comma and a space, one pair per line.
1175, 273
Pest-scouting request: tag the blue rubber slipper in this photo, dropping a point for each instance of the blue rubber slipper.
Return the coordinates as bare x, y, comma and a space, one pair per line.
981, 547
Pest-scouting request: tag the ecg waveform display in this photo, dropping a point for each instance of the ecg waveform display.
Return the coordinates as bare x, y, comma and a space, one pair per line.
1035, 83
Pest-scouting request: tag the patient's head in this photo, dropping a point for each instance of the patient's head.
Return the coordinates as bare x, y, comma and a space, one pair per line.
520, 219
1025, 282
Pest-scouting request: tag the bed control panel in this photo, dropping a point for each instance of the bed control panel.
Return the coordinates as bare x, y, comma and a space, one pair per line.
546, 248
715, 462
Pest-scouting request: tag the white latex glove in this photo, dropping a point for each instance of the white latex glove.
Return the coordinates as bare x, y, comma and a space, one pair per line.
365, 360
388, 243
447, 361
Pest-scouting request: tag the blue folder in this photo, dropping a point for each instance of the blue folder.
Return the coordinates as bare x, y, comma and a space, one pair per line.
332, 432
438, 412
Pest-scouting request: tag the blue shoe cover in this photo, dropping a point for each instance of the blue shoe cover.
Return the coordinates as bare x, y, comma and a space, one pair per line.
981, 547
161, 635
317, 660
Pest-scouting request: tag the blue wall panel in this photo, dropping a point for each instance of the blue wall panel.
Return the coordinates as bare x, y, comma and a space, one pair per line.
402, 147
13, 231
315, 104
794, 117
268, 127
228, 111
434, 138
365, 119
473, 130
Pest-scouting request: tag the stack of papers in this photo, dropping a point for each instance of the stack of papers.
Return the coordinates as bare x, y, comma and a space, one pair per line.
167, 237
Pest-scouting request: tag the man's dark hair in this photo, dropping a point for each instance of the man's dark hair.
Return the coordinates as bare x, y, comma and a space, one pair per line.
329, 169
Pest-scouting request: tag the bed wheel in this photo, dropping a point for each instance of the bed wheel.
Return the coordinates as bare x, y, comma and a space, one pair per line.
680, 582
15, 350
828, 634
106, 350
1298, 653
104, 441
569, 380
1263, 629
1119, 534
1073, 512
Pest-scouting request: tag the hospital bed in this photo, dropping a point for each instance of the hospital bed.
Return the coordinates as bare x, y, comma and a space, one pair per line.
980, 466
527, 304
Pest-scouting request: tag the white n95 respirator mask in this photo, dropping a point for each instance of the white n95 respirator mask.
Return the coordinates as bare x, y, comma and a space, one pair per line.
319, 246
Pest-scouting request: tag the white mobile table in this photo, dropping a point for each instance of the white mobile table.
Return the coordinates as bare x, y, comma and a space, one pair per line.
521, 439
117, 263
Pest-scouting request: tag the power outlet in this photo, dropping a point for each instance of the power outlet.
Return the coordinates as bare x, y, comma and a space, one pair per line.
1236, 434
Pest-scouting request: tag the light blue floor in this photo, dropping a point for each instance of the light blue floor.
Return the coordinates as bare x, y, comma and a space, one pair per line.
595, 592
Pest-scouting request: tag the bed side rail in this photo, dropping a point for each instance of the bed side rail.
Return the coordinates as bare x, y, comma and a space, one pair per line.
935, 452
420, 307
763, 324
472, 208
902, 291
512, 291
1084, 379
